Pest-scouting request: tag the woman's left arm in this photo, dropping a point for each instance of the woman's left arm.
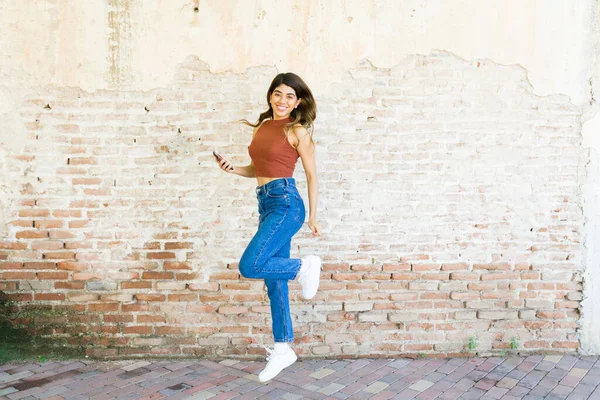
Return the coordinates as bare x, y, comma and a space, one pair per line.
306, 150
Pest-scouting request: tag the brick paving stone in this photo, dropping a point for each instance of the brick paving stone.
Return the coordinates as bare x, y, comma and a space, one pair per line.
296, 390
353, 388
532, 379
385, 395
464, 384
16, 376
450, 366
504, 368
595, 394
407, 394
476, 375
498, 376
526, 366
358, 364
340, 396
441, 386
434, 377
375, 376
456, 361
200, 396
516, 374
399, 386
460, 373
410, 379
400, 363
321, 373
473, 394
567, 362
16, 368
532, 397
429, 394
578, 372
545, 366
290, 396
391, 378
562, 391
451, 394
331, 388
421, 385
507, 383
517, 391
375, 387
557, 373
581, 392
486, 366
591, 379
225, 396
49, 392
26, 393
496, 393
544, 387
586, 365
8, 390
570, 381
485, 384
345, 380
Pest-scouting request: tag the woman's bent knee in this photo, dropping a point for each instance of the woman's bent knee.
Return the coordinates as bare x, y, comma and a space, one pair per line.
247, 268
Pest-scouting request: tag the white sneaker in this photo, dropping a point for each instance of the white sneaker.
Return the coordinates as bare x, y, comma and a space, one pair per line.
309, 276
276, 363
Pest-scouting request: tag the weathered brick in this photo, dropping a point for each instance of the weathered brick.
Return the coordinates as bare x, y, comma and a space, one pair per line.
232, 310
150, 297
115, 297
48, 296
10, 265
353, 307
161, 255
52, 275
177, 266
82, 297
136, 285
32, 234
157, 275
101, 285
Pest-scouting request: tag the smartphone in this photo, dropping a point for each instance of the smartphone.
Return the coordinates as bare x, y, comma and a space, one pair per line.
219, 158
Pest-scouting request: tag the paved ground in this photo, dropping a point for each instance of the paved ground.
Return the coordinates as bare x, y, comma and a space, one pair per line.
533, 377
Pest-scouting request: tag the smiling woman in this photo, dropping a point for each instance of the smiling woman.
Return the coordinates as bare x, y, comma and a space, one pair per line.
280, 137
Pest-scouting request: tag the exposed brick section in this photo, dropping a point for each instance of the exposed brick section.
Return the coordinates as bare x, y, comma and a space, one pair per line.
449, 197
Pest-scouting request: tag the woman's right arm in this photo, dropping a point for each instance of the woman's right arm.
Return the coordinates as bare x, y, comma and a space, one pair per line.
246, 171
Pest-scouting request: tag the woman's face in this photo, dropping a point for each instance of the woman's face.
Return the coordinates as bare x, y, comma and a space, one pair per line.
283, 101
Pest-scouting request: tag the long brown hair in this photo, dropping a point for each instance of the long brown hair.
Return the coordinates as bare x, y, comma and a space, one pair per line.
306, 112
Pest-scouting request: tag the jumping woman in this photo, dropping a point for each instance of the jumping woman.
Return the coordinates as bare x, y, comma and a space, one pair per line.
280, 136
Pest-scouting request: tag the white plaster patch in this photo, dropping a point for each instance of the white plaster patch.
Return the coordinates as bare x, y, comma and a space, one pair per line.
590, 321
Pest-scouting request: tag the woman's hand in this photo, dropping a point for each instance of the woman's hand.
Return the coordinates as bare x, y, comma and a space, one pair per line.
314, 227
225, 165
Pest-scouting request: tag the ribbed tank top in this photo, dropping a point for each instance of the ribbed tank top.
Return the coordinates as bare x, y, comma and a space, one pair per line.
271, 153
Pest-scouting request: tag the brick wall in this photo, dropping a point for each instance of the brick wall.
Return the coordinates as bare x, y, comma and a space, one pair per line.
450, 200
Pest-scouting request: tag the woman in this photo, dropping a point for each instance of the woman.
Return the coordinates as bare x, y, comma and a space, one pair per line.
281, 136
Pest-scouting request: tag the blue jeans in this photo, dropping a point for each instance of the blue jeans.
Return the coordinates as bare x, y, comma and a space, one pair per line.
281, 214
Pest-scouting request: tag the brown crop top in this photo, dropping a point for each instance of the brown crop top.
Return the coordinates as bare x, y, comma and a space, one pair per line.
270, 151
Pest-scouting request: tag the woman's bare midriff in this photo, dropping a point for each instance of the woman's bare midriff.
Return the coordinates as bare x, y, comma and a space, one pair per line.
263, 180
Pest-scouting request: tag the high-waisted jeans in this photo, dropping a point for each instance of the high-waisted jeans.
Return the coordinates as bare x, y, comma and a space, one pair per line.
281, 214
